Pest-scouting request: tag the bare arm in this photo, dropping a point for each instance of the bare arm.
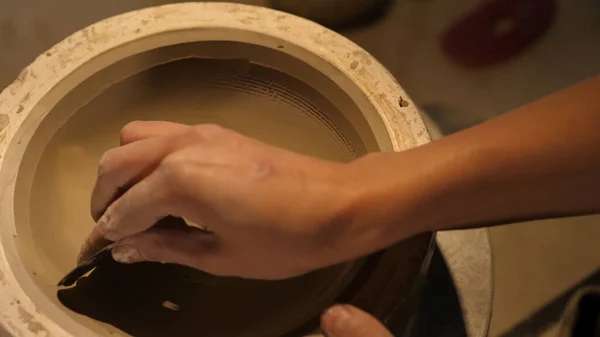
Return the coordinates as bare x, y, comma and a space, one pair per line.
541, 160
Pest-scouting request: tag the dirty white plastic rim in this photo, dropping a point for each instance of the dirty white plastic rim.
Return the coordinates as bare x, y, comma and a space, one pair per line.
41, 85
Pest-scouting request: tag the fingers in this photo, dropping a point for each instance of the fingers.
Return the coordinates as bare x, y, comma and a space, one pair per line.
138, 209
138, 130
349, 321
143, 146
122, 167
186, 246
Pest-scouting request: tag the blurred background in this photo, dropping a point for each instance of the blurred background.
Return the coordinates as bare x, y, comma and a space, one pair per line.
462, 62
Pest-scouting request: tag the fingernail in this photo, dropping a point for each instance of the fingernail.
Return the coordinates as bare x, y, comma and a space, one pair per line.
126, 254
335, 319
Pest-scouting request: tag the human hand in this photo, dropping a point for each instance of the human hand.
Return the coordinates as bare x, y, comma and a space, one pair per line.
271, 213
349, 321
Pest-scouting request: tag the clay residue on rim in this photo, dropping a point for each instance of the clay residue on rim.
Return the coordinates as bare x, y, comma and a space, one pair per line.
33, 325
4, 121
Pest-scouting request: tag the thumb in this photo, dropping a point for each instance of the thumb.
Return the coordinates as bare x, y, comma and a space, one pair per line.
349, 321
188, 246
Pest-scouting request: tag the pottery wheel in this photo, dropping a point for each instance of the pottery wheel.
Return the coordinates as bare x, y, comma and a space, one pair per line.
190, 84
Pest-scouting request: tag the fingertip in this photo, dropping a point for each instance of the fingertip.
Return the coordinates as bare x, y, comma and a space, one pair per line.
334, 319
93, 243
348, 321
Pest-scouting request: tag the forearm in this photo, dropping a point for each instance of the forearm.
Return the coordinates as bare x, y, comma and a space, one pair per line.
541, 160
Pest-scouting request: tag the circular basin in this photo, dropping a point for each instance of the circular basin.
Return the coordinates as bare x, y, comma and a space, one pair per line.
265, 74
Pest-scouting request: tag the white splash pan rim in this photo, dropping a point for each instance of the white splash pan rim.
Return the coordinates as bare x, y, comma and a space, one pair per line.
32, 96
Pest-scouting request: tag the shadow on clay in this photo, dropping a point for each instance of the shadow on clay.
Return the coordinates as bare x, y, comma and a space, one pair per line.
152, 299
132, 298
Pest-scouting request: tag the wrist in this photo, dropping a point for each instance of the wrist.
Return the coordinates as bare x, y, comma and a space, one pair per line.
430, 188
390, 200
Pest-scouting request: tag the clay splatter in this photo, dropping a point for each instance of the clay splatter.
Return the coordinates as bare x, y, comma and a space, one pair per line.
25, 98
363, 56
23, 75
170, 305
33, 325
4, 121
403, 103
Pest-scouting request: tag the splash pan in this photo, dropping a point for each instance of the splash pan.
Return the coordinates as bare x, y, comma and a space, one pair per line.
260, 72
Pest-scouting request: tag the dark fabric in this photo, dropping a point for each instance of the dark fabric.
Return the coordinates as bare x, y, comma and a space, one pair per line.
587, 317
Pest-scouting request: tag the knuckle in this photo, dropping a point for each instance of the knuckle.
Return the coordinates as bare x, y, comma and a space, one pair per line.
174, 164
129, 131
208, 131
175, 169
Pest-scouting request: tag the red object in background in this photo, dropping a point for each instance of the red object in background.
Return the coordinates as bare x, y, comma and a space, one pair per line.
497, 30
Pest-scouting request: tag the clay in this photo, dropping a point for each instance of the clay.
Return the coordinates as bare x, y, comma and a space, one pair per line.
265, 74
